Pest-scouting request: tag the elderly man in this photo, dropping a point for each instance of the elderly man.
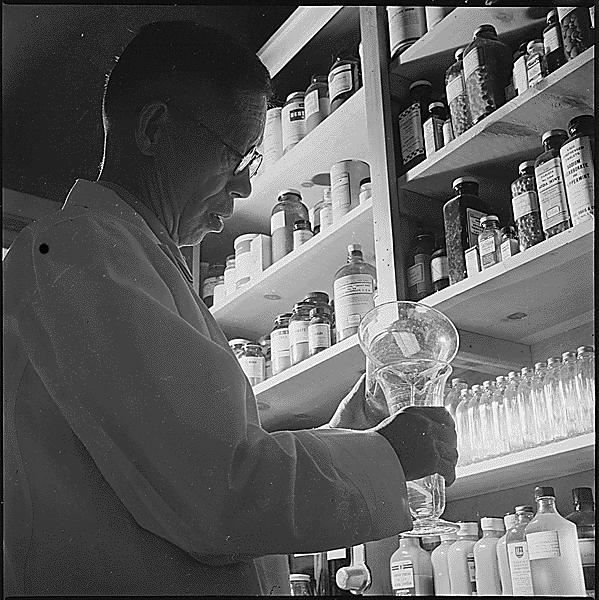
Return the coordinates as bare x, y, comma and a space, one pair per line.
134, 458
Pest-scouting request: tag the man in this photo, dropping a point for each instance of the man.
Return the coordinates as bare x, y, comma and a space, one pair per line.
134, 458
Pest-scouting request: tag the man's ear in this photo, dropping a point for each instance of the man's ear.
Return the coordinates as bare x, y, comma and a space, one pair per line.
148, 128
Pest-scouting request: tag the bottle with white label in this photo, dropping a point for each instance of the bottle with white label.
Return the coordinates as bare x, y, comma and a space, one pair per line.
439, 266
298, 332
354, 288
411, 569
553, 42
552, 541
319, 330
288, 209
536, 63
316, 102
488, 582
517, 551
273, 137
489, 242
419, 261
326, 212
578, 166
407, 24
346, 176
279, 344
503, 565
344, 81
302, 232
433, 128
293, 122
519, 72
440, 566
253, 363
551, 187
411, 133
460, 561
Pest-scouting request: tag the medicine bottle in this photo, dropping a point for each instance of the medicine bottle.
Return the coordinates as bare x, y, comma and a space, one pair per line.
344, 81
536, 63
433, 128
575, 24
279, 344
519, 72
237, 345
551, 187
301, 233
457, 98
503, 565
253, 363
288, 209
264, 342
488, 581
298, 332
316, 102
319, 330
525, 206
553, 43
315, 217
293, 124
411, 120
439, 563
460, 561
419, 269
320, 299
301, 585
509, 242
578, 165
407, 24
448, 135
439, 266
326, 212
219, 293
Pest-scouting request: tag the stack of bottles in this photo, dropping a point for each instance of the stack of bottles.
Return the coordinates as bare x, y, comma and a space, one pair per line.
553, 401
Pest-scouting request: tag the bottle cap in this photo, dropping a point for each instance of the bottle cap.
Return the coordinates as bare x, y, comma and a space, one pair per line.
540, 365
500, 379
582, 495
526, 507
301, 224
542, 491
510, 520
552, 14
527, 164
295, 96
567, 355
553, 360
299, 577
320, 297
434, 105
524, 370
512, 375
508, 231
489, 218
491, 524
581, 123
302, 306
252, 346
467, 529
462, 180
283, 317
239, 342
365, 180
553, 133
320, 310
421, 82
456, 381
459, 53
484, 29
320, 79
445, 537
585, 349
354, 248
531, 45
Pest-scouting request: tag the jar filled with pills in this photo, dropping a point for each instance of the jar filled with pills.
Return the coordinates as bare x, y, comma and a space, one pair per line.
252, 362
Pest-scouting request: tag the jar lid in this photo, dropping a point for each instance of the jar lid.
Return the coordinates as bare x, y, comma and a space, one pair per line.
433, 105
301, 224
365, 180
566, 355
299, 577
553, 133
295, 96
246, 237
581, 123
527, 164
230, 258
252, 346
322, 297
421, 82
552, 14
462, 180
500, 379
287, 192
459, 53
320, 310
302, 306
468, 529
239, 342
582, 495
320, 79
540, 365
582, 349
491, 524
446, 537
553, 360
541, 491
508, 230
526, 507
485, 28
530, 45
488, 218
354, 248
282, 317
456, 380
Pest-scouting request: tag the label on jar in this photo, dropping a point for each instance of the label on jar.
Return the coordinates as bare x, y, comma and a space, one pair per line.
340, 81
312, 103
509, 248
406, 24
473, 60
402, 578
552, 193
472, 262
579, 177
293, 123
447, 132
419, 275
552, 39
277, 221
524, 204
543, 544
279, 350
433, 135
520, 75
415, 274
454, 89
473, 218
488, 249
300, 236
319, 335
587, 551
353, 299
298, 333
253, 367
410, 133
520, 572
534, 69
273, 136
439, 268
471, 571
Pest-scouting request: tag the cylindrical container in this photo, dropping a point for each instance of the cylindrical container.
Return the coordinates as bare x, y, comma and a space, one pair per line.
273, 137
230, 280
407, 24
301, 233
460, 561
264, 342
525, 206
237, 345
326, 212
411, 569
301, 585
219, 291
556, 411
517, 550
578, 166
509, 242
447, 132
243, 259
519, 72
503, 564
411, 134
317, 299
419, 269
551, 188
575, 24
585, 384
293, 120
553, 42
365, 190
435, 14
319, 330
536, 63
344, 81
569, 394
489, 242
298, 332
315, 217
433, 128
279, 344
488, 581
487, 70
316, 102
288, 209
345, 186
214, 272
253, 364
441, 581
457, 98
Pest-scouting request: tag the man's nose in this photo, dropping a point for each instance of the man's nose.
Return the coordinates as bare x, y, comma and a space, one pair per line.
240, 185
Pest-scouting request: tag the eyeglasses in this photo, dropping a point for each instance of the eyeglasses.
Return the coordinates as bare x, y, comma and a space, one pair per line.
252, 159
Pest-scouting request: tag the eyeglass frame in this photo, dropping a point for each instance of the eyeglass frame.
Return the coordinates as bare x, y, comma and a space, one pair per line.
245, 161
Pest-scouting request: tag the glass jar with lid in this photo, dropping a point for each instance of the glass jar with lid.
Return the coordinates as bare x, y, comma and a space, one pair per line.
302, 232
509, 242
433, 128
288, 209
536, 63
569, 394
489, 242
293, 123
419, 269
237, 345
298, 332
487, 70
316, 102
279, 344
575, 25
585, 385
317, 299
439, 266
519, 72
411, 120
301, 585
553, 42
407, 24
319, 329
214, 272
457, 98
252, 362
525, 206
461, 217
344, 80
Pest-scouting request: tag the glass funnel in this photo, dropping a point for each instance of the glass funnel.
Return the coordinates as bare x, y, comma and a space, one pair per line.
408, 348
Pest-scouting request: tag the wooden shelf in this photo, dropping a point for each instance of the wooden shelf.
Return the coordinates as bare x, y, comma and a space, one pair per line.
557, 459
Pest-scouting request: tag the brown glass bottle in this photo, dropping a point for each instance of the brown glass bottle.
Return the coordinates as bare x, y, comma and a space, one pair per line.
553, 43
419, 270
411, 120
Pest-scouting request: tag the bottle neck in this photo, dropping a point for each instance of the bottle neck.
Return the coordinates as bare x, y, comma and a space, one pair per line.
546, 504
355, 257
409, 542
467, 538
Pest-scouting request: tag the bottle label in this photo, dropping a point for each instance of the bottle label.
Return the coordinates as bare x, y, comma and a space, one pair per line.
340, 81
279, 344
326, 216
293, 123
339, 554
312, 104
487, 249
552, 39
253, 366
524, 204
587, 551
406, 23
277, 221
509, 248
552, 193
402, 578
319, 335
433, 135
543, 544
301, 236
353, 299
471, 571
520, 76
447, 132
341, 196
410, 133
298, 332
273, 142
473, 218
439, 268
520, 569
472, 262
419, 275
579, 177
473, 60
415, 274
454, 89
534, 69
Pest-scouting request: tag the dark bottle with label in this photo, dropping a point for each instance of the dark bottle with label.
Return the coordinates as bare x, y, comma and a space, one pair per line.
344, 80
461, 217
326, 565
439, 266
419, 271
433, 128
553, 43
584, 517
411, 120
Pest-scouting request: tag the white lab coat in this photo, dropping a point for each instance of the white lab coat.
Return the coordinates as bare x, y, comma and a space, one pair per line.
134, 458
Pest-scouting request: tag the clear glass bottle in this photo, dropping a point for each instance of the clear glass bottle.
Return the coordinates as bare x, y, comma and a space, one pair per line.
525, 206
354, 287
525, 409
487, 71
519, 72
509, 520
319, 330
463, 429
298, 332
411, 134
411, 569
344, 80
326, 212
553, 550
553, 43
315, 217
279, 344
441, 581
488, 448
513, 414
509, 242
461, 217
301, 584
556, 409
474, 423
419, 269
452, 399
517, 551
253, 363
433, 128
460, 560
288, 209
439, 265
578, 165
489, 242
569, 394
551, 187
457, 98
488, 582
316, 102
585, 384
539, 404
536, 63
302, 232
499, 417
575, 25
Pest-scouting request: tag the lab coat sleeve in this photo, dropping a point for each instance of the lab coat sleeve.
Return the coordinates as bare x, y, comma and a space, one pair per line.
162, 411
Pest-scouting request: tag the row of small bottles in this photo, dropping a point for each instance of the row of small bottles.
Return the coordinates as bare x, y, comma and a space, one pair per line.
553, 401
523, 554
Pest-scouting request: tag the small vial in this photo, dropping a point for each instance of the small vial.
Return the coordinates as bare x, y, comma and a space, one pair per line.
489, 242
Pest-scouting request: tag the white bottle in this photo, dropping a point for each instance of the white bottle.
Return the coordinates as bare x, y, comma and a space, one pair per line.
460, 561
488, 581
502, 560
411, 569
440, 566
553, 550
